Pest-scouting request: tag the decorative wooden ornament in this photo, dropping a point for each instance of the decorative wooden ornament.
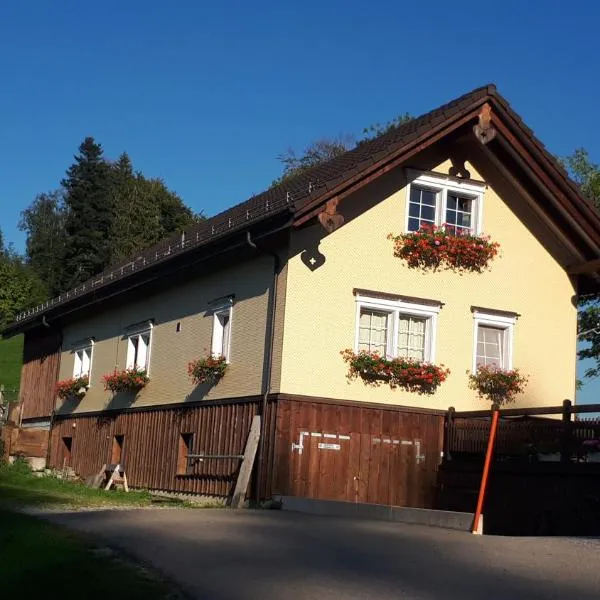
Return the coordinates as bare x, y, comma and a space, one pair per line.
329, 218
484, 131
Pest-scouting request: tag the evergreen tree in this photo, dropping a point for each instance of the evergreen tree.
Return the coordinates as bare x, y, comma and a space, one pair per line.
90, 209
146, 211
44, 223
135, 221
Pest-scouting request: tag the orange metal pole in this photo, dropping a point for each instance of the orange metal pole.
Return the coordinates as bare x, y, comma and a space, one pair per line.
486, 470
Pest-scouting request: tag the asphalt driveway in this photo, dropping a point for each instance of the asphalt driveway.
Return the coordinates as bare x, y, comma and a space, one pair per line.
265, 555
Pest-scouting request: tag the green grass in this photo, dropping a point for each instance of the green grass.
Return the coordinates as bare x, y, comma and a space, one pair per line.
11, 359
40, 560
18, 487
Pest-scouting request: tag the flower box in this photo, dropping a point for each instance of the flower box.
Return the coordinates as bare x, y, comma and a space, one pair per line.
410, 375
209, 369
444, 248
497, 385
129, 380
76, 388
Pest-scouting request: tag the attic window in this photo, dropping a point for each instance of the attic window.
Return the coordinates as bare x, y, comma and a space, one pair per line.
437, 201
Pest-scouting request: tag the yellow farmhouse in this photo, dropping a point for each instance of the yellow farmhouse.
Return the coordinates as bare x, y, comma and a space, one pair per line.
450, 243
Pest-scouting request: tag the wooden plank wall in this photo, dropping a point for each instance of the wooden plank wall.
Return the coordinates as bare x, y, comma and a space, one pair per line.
31, 442
41, 361
381, 455
151, 444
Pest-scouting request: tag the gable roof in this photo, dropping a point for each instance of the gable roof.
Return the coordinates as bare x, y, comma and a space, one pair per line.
303, 196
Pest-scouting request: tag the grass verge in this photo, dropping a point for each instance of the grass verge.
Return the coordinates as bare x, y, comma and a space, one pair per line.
11, 359
19, 486
41, 560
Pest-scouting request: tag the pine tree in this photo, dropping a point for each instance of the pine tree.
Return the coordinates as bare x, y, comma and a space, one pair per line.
90, 209
136, 222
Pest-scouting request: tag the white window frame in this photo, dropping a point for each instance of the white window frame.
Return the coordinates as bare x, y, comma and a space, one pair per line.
84, 346
507, 323
395, 308
216, 345
145, 328
441, 185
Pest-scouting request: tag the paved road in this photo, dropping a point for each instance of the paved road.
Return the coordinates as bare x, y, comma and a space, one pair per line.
267, 555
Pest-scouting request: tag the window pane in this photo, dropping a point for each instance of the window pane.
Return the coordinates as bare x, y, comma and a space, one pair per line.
414, 210
413, 224
411, 337
428, 197
373, 331
428, 213
490, 346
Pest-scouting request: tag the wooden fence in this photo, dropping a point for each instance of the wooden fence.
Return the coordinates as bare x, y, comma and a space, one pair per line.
526, 434
545, 477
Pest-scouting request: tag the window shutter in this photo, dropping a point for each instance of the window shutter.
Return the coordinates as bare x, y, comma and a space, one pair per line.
226, 332
130, 353
77, 365
142, 355
85, 363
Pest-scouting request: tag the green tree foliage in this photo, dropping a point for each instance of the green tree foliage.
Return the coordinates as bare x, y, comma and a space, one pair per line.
105, 213
316, 153
44, 222
325, 149
20, 287
377, 129
587, 175
146, 211
90, 209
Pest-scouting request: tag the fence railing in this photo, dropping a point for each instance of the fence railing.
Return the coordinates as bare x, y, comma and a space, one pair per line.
526, 433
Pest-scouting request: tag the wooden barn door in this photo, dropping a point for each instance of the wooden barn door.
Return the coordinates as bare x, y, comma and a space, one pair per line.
371, 455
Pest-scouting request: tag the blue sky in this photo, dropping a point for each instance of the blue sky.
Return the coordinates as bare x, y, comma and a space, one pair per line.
206, 95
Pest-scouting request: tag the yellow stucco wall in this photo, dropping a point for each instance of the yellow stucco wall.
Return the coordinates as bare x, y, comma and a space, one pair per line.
171, 351
526, 278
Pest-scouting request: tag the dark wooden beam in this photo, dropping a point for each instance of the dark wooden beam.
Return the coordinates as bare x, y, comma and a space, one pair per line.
522, 155
591, 266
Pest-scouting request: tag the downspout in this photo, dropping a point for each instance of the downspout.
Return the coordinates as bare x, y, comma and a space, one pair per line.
268, 357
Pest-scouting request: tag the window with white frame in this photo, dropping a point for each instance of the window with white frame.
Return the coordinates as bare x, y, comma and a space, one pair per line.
438, 200
82, 364
139, 340
396, 328
493, 340
221, 335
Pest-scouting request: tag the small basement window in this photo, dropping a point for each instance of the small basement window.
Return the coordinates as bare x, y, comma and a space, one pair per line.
117, 450
186, 441
67, 445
